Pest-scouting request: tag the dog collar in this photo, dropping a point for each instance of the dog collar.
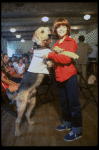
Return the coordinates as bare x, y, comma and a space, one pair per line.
36, 46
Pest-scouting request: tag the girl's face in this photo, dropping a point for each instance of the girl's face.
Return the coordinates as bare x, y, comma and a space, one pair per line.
6, 58
10, 64
21, 61
61, 31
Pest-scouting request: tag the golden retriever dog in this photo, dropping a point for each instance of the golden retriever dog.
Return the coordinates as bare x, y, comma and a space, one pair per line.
33, 77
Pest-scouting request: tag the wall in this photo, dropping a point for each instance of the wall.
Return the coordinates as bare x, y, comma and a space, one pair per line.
13, 45
76, 36
3, 45
24, 47
90, 38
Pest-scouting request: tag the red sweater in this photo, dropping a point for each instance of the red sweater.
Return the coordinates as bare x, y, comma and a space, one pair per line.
64, 67
4, 85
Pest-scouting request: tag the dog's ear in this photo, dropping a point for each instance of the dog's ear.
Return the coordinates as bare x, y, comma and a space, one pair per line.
36, 38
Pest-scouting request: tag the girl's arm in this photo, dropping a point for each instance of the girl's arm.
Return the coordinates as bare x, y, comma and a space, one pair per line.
22, 72
7, 81
65, 57
58, 50
59, 58
16, 76
71, 48
17, 71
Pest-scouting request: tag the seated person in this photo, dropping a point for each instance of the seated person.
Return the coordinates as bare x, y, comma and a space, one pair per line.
6, 82
13, 76
5, 59
12, 70
20, 67
31, 56
26, 62
14, 62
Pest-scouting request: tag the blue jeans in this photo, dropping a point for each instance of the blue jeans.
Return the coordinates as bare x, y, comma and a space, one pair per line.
70, 105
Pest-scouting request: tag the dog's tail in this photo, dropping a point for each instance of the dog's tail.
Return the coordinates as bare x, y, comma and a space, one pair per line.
11, 95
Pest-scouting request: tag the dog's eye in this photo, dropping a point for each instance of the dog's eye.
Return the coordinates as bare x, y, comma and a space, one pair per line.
42, 31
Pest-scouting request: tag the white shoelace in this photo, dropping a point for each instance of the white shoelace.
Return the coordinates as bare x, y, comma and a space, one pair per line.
71, 133
62, 125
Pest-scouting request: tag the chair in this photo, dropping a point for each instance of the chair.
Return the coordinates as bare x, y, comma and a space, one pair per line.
87, 87
45, 88
92, 65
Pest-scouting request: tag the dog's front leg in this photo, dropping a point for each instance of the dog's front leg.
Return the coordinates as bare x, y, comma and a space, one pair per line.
32, 104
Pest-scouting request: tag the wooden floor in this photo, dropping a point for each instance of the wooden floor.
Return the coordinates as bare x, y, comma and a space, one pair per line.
47, 117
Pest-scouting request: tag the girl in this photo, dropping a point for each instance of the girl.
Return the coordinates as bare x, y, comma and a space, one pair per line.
66, 77
20, 67
5, 81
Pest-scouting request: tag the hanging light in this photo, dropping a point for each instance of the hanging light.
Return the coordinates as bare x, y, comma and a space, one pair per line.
45, 19
87, 17
22, 40
75, 28
12, 29
18, 36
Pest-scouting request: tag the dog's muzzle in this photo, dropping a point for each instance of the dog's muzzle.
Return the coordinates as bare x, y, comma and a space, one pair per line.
49, 37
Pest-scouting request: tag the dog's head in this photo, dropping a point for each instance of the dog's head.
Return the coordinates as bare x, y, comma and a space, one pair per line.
42, 36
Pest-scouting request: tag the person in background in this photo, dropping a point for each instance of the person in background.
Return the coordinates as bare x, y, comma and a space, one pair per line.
6, 82
26, 62
11, 68
14, 62
13, 73
94, 53
1, 56
5, 59
20, 67
66, 77
97, 54
28, 54
83, 49
93, 58
5, 62
31, 56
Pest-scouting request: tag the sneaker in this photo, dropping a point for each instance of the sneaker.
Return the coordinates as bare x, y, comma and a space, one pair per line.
72, 136
62, 127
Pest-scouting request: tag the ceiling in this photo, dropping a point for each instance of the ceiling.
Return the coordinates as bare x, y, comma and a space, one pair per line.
26, 17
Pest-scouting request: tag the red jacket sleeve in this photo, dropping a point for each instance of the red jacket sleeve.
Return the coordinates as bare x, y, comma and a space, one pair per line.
59, 58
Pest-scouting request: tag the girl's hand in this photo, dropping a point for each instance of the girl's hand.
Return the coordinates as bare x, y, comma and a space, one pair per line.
70, 54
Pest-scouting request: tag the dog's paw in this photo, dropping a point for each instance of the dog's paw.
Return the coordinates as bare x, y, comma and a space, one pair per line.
31, 122
49, 63
17, 134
